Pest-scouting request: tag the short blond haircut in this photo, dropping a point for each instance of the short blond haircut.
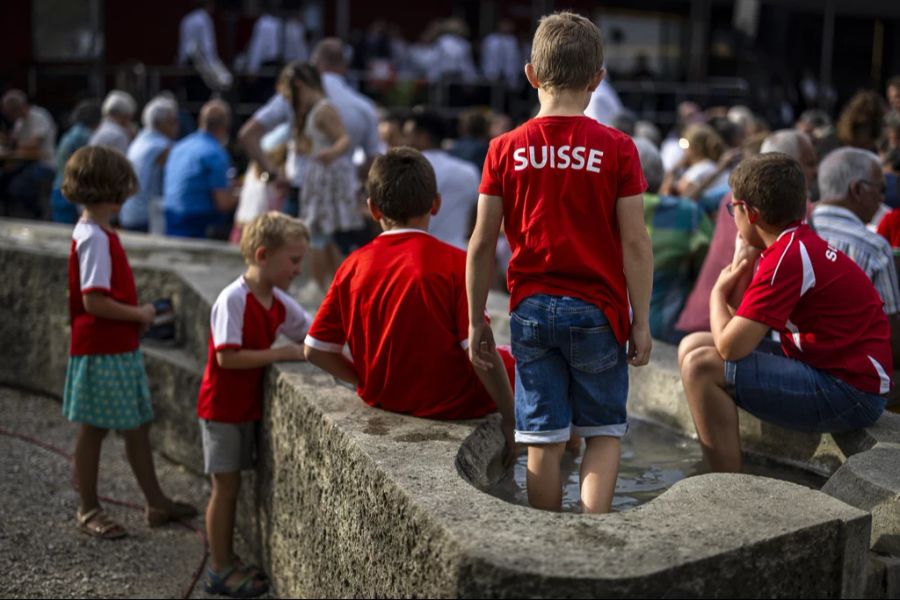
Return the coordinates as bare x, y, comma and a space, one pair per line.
567, 51
271, 230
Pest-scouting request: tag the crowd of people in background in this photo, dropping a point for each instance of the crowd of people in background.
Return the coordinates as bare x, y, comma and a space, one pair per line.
309, 146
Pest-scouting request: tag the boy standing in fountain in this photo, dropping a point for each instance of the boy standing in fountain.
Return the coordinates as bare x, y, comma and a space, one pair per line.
569, 191
834, 363
399, 303
246, 319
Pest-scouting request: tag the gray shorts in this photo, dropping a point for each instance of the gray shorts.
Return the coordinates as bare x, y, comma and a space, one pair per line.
228, 447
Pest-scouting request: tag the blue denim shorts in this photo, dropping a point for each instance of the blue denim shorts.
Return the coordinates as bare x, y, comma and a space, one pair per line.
794, 395
570, 370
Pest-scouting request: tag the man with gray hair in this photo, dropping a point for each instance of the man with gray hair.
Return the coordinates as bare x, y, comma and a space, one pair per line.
116, 129
680, 233
851, 186
796, 144
148, 153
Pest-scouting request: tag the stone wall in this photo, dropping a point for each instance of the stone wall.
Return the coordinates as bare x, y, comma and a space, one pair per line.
352, 501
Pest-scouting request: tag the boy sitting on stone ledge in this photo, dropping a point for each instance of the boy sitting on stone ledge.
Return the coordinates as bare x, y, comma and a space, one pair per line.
400, 304
246, 319
834, 364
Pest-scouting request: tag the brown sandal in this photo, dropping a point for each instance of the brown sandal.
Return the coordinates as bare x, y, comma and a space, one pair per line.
176, 511
96, 522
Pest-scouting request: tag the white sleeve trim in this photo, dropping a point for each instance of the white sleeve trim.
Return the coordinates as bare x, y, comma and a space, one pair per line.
296, 320
94, 260
227, 317
323, 346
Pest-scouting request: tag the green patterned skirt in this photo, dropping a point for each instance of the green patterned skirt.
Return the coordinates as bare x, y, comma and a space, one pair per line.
108, 391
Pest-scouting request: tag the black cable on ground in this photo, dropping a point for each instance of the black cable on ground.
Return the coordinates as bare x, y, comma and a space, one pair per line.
41, 444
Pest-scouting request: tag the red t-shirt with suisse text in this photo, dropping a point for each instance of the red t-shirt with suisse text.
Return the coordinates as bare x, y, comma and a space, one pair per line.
400, 304
560, 179
97, 263
826, 309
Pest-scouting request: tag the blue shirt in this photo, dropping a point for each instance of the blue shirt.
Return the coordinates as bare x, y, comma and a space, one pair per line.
144, 154
197, 165
76, 137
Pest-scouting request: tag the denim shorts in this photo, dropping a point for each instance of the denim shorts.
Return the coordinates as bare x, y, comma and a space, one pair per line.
570, 370
794, 395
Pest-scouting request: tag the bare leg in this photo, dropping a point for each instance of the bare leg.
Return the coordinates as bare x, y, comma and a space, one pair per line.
220, 518
140, 457
693, 341
574, 444
599, 471
714, 411
87, 464
544, 483
318, 266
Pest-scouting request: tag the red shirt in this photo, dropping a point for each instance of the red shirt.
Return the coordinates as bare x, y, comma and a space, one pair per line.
239, 321
826, 309
560, 179
889, 228
400, 304
97, 263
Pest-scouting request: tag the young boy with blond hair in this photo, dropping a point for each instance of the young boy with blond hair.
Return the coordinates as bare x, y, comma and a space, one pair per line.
399, 303
834, 364
246, 319
569, 193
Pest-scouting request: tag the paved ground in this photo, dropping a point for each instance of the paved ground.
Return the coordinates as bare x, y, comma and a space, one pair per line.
45, 556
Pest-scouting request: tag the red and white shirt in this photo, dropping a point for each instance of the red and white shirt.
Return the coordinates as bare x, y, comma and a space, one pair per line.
240, 322
400, 304
825, 308
560, 179
97, 263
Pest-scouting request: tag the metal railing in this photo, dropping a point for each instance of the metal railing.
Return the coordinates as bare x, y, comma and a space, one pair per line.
652, 100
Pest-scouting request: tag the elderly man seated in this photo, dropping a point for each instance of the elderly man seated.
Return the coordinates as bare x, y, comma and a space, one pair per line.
148, 153
116, 129
197, 195
28, 162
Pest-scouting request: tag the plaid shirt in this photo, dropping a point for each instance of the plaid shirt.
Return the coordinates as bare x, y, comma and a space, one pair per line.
871, 252
680, 232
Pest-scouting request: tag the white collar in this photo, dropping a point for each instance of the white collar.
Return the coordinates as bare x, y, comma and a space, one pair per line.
404, 230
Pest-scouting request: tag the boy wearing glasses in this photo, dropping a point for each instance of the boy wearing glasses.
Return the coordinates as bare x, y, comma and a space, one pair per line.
834, 364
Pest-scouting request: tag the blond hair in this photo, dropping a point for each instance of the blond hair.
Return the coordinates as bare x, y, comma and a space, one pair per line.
567, 51
270, 230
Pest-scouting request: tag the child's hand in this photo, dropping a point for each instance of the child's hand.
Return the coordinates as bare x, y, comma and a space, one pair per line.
743, 250
639, 344
291, 352
148, 313
729, 277
481, 346
326, 157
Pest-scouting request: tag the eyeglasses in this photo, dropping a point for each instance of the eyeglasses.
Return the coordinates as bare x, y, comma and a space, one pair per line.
730, 206
881, 189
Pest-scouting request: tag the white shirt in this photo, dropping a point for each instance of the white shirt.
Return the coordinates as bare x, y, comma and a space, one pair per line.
357, 112
111, 134
453, 55
502, 57
197, 30
604, 104
37, 124
457, 184
270, 34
